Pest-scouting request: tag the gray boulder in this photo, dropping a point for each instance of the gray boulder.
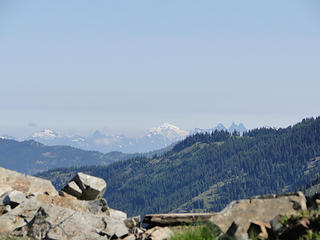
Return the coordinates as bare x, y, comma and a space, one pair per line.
134, 225
258, 210
4, 209
31, 207
73, 189
86, 187
130, 237
133, 222
13, 198
41, 220
158, 233
98, 206
19, 216
116, 214
11, 180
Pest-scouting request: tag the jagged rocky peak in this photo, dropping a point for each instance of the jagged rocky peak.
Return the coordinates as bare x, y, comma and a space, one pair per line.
239, 128
220, 127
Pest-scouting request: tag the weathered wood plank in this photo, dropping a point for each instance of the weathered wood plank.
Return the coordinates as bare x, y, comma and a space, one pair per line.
173, 219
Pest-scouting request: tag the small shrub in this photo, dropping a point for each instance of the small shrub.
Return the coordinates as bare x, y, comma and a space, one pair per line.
310, 236
207, 231
314, 223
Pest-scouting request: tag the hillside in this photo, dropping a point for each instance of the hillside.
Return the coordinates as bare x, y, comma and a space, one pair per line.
32, 157
206, 171
313, 187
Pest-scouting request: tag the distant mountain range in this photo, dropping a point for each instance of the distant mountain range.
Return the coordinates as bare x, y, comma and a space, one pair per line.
155, 138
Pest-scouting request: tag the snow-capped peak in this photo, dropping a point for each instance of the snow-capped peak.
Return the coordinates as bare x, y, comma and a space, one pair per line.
168, 130
45, 134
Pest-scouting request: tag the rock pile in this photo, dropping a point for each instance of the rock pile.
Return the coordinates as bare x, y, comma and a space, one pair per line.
259, 211
32, 207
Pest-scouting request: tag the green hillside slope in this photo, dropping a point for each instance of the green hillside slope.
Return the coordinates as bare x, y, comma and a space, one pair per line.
31, 157
206, 171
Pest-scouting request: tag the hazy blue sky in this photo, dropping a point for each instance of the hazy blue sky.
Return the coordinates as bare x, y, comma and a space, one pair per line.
125, 66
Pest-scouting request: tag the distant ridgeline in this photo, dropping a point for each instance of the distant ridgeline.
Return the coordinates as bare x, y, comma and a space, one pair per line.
207, 171
32, 157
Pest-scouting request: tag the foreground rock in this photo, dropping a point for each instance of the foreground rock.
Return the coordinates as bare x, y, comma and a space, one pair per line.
86, 187
41, 220
31, 207
261, 209
11, 180
13, 198
158, 233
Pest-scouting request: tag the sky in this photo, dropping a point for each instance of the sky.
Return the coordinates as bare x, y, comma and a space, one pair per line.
126, 66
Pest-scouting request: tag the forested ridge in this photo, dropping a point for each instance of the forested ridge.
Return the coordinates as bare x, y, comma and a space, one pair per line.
207, 171
31, 157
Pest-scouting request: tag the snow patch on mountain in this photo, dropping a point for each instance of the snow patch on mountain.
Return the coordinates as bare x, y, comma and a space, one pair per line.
169, 131
45, 134
5, 136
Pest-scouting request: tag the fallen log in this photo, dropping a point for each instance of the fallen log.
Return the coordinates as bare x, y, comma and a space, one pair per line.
174, 219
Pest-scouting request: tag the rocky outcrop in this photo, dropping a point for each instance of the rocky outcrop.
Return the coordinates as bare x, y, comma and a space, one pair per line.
11, 180
158, 233
13, 198
260, 209
40, 219
86, 187
41, 213
240, 218
54, 222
